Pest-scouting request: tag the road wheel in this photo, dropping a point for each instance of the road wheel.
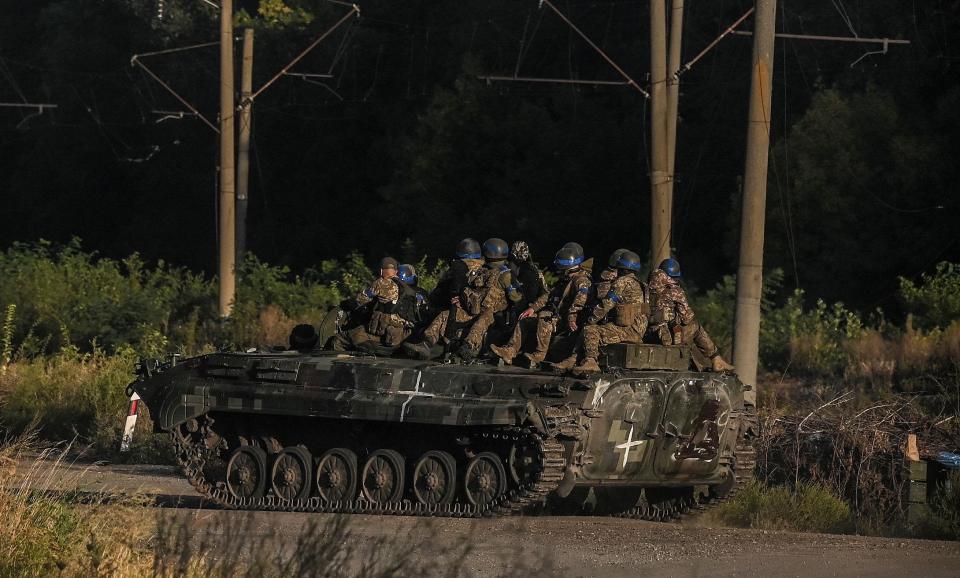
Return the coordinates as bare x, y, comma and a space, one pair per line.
247, 472
382, 478
290, 475
337, 475
435, 478
484, 480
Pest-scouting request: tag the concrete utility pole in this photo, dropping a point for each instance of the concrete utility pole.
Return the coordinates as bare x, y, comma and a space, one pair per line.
227, 215
746, 338
243, 148
659, 171
673, 91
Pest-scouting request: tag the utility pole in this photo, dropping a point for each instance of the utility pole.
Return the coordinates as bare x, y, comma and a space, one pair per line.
227, 215
673, 91
746, 338
660, 204
243, 147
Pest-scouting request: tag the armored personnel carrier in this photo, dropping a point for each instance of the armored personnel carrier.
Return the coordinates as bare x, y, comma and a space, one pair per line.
649, 437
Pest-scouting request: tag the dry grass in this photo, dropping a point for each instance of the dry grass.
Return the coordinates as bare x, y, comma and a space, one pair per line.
51, 529
43, 533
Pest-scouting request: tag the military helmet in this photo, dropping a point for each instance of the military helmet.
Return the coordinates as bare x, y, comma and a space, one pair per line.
671, 267
567, 258
468, 249
520, 251
407, 273
388, 263
495, 248
303, 337
576, 247
630, 261
615, 258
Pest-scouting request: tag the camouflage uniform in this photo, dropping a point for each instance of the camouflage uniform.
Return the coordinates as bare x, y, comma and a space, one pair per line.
564, 303
602, 286
384, 294
468, 269
490, 292
673, 319
627, 301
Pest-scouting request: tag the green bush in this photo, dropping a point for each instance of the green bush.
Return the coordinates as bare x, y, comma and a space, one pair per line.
68, 296
808, 508
936, 301
65, 296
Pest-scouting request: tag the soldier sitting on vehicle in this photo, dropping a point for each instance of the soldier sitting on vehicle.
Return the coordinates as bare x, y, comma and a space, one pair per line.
672, 321
489, 293
606, 277
411, 311
626, 300
528, 276
453, 317
560, 311
381, 298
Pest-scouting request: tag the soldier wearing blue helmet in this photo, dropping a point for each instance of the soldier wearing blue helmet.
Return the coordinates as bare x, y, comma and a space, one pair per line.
672, 321
491, 292
627, 303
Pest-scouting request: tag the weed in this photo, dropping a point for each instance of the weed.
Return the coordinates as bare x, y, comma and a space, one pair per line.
806, 508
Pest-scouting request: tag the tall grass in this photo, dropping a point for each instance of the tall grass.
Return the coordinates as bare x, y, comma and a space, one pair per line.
48, 530
43, 534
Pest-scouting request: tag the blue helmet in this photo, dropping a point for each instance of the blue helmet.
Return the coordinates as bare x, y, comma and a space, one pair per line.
468, 249
567, 258
407, 274
671, 267
495, 248
630, 261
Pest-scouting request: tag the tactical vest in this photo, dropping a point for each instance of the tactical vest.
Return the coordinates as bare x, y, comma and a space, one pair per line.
561, 300
408, 306
486, 290
627, 314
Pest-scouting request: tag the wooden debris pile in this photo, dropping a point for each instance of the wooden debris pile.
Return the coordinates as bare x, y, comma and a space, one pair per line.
859, 453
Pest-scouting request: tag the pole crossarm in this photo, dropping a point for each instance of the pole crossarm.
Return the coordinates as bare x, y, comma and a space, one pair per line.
173, 50
39, 106
135, 61
629, 80
859, 39
730, 30
554, 80
354, 9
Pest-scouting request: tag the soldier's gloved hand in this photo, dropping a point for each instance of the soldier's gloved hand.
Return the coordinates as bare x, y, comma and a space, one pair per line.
526, 313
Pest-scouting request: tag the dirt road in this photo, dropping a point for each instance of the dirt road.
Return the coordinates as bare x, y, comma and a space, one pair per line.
565, 546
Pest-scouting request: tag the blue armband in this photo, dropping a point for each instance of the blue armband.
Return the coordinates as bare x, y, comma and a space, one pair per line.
614, 297
370, 292
583, 290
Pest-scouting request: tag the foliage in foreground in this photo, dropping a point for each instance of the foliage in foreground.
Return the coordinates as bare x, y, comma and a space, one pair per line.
51, 529
804, 508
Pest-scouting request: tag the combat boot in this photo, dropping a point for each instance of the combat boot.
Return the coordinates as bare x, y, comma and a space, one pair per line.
504, 352
418, 350
467, 353
565, 365
532, 361
720, 364
589, 365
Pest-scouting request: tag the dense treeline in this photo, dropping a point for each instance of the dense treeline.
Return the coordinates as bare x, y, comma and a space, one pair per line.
405, 150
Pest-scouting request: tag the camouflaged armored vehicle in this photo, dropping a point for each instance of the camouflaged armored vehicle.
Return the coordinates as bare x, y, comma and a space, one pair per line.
649, 437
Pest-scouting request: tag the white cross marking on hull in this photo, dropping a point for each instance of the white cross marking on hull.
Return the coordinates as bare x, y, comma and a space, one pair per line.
627, 445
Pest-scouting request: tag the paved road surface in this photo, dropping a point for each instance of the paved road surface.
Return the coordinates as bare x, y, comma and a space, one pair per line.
566, 546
